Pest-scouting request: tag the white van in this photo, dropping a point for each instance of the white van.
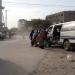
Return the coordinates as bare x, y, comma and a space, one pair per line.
62, 34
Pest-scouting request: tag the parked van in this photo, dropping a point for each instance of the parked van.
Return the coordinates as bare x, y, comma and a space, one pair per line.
62, 34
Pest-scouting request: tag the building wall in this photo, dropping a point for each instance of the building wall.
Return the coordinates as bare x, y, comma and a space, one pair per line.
56, 18
21, 24
69, 16
61, 17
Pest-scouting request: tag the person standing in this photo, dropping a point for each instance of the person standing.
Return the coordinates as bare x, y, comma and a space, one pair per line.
31, 34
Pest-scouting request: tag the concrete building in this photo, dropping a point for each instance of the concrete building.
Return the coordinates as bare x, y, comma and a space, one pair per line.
21, 23
60, 17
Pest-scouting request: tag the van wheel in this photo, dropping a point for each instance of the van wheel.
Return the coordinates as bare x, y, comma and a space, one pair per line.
67, 45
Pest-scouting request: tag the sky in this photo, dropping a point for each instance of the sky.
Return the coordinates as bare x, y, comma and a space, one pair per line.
33, 9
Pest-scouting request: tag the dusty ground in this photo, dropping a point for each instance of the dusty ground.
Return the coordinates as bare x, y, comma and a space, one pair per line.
56, 62
17, 57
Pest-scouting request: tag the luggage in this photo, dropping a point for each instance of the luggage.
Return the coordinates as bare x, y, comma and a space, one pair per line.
46, 43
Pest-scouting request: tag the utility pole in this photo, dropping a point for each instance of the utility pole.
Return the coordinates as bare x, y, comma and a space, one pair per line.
3, 19
6, 18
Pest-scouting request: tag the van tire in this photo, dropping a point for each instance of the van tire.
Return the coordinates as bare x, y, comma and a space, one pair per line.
67, 45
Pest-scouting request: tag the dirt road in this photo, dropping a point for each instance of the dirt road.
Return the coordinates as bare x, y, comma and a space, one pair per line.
17, 57
57, 62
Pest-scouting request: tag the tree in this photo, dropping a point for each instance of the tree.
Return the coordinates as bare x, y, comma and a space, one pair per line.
34, 23
39, 23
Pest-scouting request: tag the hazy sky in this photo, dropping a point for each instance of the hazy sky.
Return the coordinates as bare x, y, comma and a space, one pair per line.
30, 9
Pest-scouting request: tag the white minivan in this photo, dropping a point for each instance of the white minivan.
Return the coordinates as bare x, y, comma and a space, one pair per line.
62, 34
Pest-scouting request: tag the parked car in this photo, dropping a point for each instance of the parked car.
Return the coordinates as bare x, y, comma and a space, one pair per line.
2, 35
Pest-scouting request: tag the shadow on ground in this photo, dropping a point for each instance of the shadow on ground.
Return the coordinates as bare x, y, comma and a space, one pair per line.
9, 68
60, 49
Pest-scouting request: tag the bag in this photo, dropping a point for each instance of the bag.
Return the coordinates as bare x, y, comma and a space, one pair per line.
46, 43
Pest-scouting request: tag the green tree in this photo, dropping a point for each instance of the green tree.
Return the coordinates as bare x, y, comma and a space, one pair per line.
39, 23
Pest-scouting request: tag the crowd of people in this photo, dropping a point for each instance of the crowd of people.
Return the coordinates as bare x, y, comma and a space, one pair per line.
38, 38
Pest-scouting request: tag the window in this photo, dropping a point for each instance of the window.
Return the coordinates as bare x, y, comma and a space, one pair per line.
61, 14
